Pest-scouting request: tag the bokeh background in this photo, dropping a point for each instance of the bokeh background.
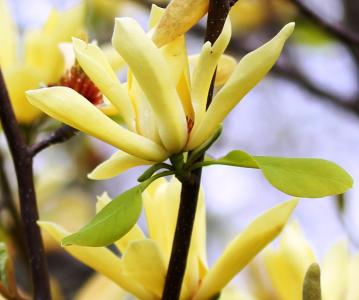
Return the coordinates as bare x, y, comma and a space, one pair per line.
307, 107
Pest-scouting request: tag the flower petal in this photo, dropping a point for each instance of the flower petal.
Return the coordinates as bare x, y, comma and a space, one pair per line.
112, 56
287, 266
66, 105
250, 70
100, 259
205, 68
19, 79
244, 248
41, 45
117, 164
93, 61
153, 75
335, 271
100, 287
144, 263
353, 287
8, 35
179, 17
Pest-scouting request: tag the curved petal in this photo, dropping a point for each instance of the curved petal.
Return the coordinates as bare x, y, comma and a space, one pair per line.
153, 75
8, 35
112, 56
250, 70
41, 46
179, 17
66, 105
19, 79
144, 263
100, 259
93, 61
244, 248
100, 287
287, 266
117, 164
353, 287
335, 271
204, 70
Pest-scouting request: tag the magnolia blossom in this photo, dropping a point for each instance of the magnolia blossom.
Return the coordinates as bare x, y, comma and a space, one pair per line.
142, 268
163, 103
279, 273
42, 62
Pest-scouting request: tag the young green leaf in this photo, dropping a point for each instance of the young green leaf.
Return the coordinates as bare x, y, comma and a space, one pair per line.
111, 223
300, 177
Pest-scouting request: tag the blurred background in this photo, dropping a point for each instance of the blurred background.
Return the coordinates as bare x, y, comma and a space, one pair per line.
308, 106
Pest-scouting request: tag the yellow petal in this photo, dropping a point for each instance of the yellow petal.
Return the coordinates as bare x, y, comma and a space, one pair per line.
19, 79
287, 265
8, 35
244, 248
100, 259
225, 68
112, 56
204, 70
146, 124
250, 70
42, 45
179, 17
117, 164
93, 61
144, 263
353, 287
66, 105
100, 287
155, 15
153, 75
335, 272
134, 234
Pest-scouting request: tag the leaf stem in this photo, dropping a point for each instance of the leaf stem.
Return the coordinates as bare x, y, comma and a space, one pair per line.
217, 14
22, 158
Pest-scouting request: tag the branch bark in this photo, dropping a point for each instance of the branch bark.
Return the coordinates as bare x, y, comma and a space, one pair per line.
22, 159
217, 14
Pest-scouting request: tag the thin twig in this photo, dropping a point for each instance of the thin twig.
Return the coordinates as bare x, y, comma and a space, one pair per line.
60, 135
22, 159
335, 29
217, 14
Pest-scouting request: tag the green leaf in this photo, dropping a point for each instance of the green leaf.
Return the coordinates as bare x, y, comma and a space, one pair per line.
112, 222
300, 177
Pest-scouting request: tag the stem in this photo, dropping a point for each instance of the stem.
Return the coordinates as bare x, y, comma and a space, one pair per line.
60, 135
22, 159
217, 14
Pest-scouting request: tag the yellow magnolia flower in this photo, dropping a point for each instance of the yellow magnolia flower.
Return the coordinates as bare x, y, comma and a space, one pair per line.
286, 266
42, 62
163, 103
142, 268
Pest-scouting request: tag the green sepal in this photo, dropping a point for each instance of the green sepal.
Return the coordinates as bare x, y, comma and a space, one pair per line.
153, 169
299, 177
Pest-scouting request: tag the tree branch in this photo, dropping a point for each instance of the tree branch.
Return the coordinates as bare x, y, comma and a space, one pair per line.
336, 29
217, 14
22, 159
60, 135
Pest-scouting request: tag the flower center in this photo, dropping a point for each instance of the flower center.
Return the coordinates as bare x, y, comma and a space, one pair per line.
190, 124
76, 79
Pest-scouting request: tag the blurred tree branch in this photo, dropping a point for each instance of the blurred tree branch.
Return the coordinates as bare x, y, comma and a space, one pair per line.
344, 34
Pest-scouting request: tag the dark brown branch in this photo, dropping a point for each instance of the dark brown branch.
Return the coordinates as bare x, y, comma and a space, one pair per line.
217, 14
60, 135
22, 159
336, 29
